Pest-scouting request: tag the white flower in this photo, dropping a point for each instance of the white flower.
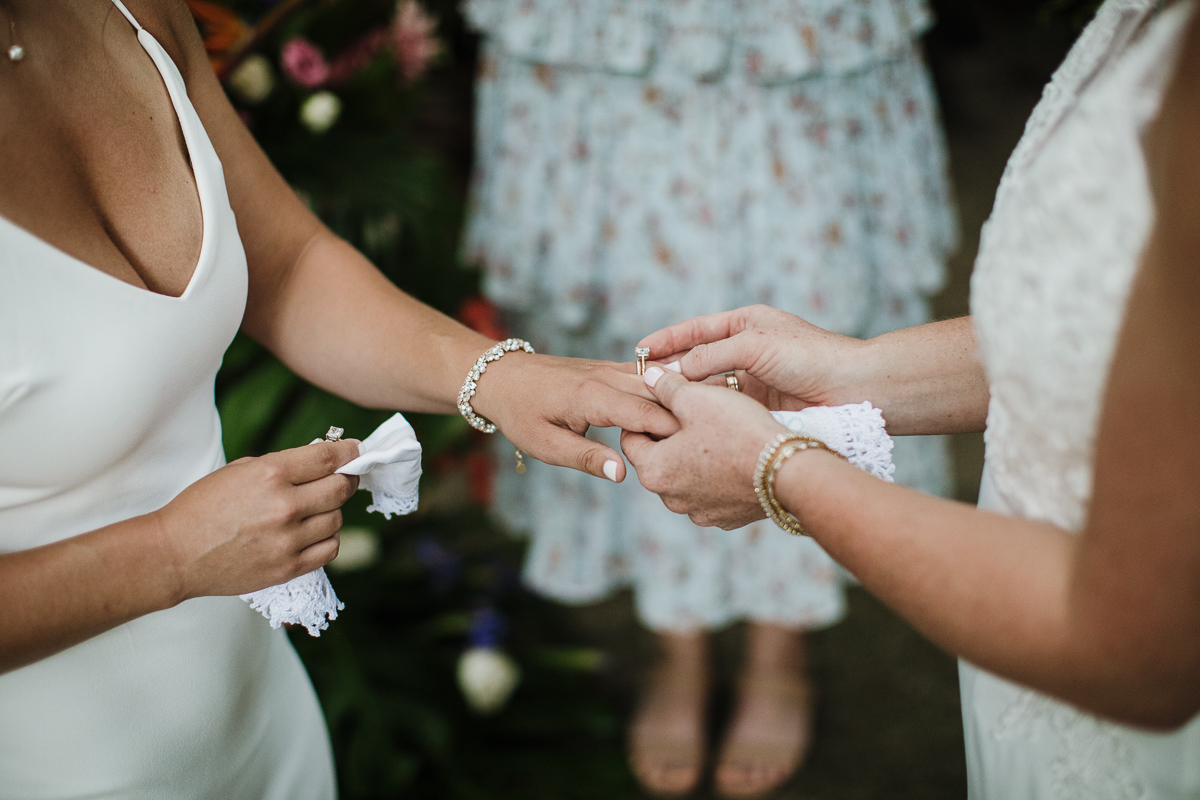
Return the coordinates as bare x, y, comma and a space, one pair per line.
253, 79
487, 677
320, 111
359, 549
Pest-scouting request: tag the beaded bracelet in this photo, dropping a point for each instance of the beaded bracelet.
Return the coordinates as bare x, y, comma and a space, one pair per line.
773, 455
493, 353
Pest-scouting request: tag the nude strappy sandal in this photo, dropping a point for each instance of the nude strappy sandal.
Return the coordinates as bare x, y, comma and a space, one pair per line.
652, 750
785, 687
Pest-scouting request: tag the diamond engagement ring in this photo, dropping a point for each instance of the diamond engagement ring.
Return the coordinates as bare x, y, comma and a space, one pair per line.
334, 434
642, 354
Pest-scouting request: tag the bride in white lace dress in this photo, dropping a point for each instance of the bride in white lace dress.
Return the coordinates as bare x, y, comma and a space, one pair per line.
1083, 581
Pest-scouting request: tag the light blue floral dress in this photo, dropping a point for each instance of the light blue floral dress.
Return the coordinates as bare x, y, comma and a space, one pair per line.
640, 162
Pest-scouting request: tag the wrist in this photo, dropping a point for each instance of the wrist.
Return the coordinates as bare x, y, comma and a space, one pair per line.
797, 475
494, 383
862, 372
168, 574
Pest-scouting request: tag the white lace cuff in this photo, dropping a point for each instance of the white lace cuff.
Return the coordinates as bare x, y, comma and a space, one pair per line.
389, 464
856, 431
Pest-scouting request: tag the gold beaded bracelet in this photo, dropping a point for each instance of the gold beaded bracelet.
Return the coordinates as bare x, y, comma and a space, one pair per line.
773, 455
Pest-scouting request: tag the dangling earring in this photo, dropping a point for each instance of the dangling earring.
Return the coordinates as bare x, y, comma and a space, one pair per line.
15, 51
520, 462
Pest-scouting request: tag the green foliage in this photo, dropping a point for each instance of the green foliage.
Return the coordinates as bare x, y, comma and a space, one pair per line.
385, 669
385, 672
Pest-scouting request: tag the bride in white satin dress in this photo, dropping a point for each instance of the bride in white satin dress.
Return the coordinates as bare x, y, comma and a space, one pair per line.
140, 227
1078, 581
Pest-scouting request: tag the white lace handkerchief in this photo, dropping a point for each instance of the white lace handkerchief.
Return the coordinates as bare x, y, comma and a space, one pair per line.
389, 466
856, 431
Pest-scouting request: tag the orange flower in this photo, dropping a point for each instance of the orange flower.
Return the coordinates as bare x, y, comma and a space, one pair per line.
221, 28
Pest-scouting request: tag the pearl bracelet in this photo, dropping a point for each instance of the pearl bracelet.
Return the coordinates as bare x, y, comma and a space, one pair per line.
772, 456
493, 353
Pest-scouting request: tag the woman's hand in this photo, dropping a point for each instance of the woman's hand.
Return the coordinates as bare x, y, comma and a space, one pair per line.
780, 360
544, 405
258, 521
706, 470
926, 379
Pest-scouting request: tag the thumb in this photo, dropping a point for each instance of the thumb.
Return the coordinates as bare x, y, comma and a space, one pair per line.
665, 386
714, 358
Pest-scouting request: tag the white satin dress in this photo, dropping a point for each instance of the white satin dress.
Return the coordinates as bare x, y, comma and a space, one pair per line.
106, 413
1056, 262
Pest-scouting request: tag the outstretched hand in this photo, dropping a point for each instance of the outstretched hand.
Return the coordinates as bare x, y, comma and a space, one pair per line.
544, 405
780, 360
706, 470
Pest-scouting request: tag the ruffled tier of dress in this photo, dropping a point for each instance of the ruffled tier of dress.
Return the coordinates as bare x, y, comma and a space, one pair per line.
766, 41
642, 162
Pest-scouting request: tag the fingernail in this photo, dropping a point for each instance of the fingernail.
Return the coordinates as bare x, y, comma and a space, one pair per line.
652, 375
674, 367
610, 470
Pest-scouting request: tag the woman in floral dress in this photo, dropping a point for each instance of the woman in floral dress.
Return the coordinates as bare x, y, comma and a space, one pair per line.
645, 161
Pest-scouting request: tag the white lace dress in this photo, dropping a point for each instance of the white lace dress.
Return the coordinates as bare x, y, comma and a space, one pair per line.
640, 162
1056, 262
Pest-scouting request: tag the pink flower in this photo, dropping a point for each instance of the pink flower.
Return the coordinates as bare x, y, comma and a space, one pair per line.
303, 63
355, 58
413, 44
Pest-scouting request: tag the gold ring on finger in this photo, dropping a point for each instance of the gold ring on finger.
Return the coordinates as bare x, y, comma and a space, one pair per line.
732, 382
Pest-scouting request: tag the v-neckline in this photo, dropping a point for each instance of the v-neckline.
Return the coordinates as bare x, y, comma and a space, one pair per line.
196, 179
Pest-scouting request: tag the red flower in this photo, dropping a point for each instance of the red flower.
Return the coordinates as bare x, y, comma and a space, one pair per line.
481, 470
481, 315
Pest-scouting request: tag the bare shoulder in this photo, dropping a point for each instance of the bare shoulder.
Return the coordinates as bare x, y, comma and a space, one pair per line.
172, 25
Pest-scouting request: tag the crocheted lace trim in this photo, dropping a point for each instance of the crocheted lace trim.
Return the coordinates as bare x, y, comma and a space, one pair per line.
387, 504
856, 431
308, 600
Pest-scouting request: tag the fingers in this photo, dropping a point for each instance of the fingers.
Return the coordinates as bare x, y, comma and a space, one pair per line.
637, 448
701, 330
324, 548
324, 494
303, 464
665, 384
319, 527
565, 448
740, 351
689, 333
606, 407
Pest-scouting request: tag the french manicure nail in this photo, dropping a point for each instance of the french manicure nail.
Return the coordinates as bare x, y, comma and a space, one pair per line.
610, 470
674, 367
652, 375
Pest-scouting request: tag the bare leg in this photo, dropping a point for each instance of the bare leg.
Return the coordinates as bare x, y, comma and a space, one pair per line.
667, 733
771, 730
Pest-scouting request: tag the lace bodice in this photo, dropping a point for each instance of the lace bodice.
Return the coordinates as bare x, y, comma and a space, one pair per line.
1058, 256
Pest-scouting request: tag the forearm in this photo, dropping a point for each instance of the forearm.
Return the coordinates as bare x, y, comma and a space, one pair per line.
339, 323
927, 379
60, 594
997, 591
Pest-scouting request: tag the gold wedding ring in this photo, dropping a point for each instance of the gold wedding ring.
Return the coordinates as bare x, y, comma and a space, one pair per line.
642, 354
731, 381
333, 434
